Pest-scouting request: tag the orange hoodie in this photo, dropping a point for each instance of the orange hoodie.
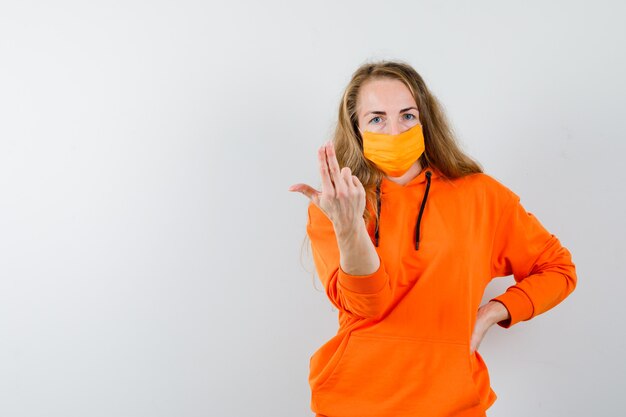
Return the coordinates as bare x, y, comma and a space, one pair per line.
403, 344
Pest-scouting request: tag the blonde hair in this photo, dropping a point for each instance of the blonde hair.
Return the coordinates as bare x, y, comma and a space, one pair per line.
441, 148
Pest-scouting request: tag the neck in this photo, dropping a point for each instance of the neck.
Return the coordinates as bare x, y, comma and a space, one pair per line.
411, 173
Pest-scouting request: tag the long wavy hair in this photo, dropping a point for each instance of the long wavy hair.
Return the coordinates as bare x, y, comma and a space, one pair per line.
442, 150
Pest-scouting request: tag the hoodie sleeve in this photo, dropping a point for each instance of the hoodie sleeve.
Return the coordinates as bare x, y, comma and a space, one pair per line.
364, 296
541, 266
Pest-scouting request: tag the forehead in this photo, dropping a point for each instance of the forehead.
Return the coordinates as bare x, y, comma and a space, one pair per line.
384, 95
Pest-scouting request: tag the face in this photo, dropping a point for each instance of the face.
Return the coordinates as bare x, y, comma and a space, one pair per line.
386, 106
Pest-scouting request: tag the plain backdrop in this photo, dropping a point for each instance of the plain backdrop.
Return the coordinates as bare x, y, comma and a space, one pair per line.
151, 256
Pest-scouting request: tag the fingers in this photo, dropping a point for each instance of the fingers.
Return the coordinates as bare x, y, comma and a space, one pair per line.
335, 173
357, 184
327, 186
346, 175
335, 181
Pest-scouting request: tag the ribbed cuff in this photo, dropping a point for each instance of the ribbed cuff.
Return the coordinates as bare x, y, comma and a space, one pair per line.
364, 284
518, 304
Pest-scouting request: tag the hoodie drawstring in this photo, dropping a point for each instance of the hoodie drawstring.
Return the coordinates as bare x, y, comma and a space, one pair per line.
378, 207
419, 216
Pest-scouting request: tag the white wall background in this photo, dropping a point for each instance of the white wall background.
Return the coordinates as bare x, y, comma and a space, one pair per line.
150, 253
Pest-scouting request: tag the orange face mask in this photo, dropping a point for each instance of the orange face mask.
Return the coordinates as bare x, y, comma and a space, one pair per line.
394, 154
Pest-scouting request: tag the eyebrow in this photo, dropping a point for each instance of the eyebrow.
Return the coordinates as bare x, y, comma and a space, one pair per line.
382, 112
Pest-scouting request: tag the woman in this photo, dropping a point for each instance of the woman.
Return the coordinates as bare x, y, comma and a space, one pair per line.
406, 233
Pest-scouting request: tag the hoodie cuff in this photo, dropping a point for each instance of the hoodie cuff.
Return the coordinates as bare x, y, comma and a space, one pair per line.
518, 304
364, 284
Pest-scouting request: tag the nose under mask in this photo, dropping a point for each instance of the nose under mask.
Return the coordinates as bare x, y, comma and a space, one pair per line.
394, 154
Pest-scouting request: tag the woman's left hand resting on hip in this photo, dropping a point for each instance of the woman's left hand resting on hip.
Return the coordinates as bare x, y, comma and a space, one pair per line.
489, 314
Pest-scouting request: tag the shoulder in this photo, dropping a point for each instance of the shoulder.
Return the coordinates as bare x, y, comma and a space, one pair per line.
488, 187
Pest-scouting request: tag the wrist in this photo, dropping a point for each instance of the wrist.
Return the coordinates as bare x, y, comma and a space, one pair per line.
497, 311
346, 234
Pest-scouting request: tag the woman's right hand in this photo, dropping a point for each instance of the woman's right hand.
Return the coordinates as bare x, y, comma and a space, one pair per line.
342, 198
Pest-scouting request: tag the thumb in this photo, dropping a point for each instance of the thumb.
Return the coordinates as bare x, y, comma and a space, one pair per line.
307, 190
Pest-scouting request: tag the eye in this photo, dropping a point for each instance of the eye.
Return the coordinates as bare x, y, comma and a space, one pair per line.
412, 116
377, 117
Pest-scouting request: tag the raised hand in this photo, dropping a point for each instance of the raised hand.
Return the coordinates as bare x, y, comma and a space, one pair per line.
342, 198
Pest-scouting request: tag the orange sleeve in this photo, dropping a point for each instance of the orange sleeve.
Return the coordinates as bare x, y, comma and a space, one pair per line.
541, 266
364, 296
